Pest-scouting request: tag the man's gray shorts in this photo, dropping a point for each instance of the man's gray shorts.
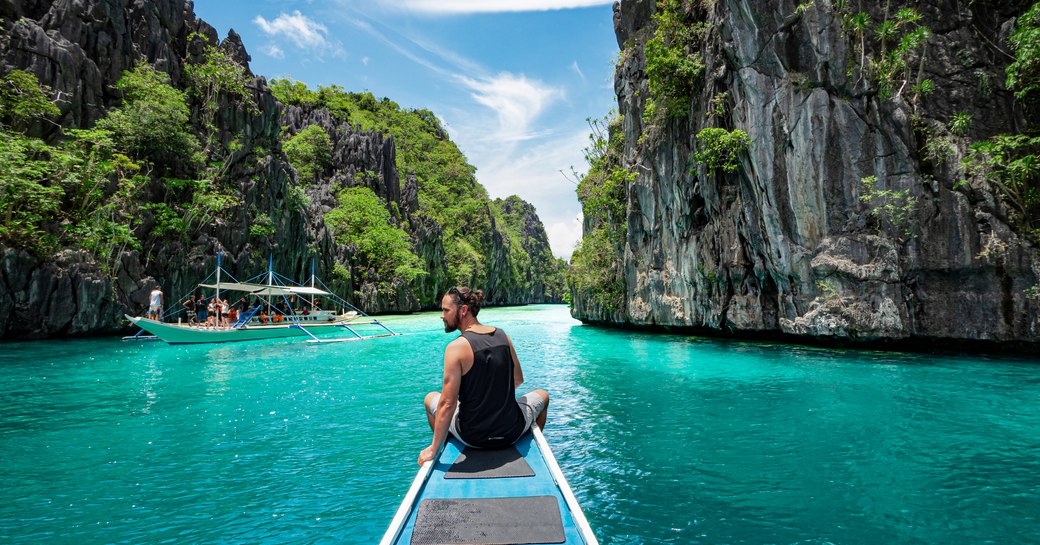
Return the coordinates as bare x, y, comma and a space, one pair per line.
531, 404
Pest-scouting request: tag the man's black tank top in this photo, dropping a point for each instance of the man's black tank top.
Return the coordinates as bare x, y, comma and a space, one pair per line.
489, 416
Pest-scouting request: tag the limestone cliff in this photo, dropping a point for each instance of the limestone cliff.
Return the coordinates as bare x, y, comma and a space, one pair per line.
539, 273
790, 242
81, 50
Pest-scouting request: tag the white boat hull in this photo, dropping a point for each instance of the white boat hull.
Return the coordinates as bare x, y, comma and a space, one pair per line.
185, 334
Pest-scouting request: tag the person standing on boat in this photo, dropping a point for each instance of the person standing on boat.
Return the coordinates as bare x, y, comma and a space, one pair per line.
189, 306
200, 309
155, 304
211, 312
222, 316
477, 402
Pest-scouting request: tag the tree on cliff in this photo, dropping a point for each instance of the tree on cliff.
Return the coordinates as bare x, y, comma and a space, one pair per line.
23, 100
152, 122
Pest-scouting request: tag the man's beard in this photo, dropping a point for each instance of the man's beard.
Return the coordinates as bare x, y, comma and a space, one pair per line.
453, 325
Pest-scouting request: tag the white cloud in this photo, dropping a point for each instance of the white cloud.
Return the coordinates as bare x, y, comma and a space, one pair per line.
365, 60
564, 236
517, 101
298, 28
273, 51
577, 70
302, 31
536, 174
497, 6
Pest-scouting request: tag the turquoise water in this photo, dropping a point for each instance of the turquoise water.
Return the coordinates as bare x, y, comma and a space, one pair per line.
665, 439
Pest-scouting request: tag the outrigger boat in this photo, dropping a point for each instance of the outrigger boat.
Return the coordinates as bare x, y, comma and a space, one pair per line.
274, 314
516, 495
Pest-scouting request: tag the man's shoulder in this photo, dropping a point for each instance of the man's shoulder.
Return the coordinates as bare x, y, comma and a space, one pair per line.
457, 343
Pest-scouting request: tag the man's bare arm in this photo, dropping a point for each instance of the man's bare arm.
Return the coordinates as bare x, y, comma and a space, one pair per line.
449, 399
518, 373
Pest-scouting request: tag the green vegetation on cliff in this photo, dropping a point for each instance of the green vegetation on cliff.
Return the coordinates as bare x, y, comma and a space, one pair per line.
23, 101
362, 222
1023, 75
451, 202
309, 152
77, 193
895, 61
139, 175
1011, 161
674, 63
596, 272
720, 149
152, 123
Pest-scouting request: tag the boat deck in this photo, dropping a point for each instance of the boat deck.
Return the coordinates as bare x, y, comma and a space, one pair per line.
446, 506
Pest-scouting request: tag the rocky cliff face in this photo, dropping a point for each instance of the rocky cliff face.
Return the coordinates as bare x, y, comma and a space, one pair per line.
357, 157
785, 244
80, 50
541, 269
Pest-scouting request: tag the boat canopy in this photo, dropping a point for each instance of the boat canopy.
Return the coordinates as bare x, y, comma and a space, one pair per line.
288, 290
263, 289
233, 286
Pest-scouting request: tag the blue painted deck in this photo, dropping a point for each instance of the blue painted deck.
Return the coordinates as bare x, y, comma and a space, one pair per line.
541, 484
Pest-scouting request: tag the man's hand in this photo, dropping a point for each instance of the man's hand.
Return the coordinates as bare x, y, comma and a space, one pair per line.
426, 455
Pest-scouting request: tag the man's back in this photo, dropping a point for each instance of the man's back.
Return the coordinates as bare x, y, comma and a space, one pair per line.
477, 403
489, 415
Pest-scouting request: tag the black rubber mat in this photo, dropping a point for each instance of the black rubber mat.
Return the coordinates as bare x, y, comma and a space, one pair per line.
489, 521
476, 463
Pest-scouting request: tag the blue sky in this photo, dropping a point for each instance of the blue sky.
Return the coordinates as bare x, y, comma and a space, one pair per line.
513, 81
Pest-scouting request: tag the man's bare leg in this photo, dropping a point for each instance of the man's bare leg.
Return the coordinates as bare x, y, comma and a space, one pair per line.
540, 420
430, 404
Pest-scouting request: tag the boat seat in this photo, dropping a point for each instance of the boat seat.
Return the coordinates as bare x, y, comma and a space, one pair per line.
472, 521
474, 463
500, 521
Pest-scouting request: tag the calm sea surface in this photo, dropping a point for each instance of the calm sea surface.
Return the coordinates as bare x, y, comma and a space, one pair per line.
665, 439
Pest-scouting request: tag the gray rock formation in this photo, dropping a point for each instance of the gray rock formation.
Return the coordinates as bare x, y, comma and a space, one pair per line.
785, 245
80, 49
536, 274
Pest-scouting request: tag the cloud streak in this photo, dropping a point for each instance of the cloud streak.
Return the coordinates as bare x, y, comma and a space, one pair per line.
403, 51
303, 32
502, 132
273, 51
496, 6
516, 100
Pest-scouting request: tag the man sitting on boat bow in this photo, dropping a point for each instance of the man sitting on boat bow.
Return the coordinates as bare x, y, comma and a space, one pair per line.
477, 402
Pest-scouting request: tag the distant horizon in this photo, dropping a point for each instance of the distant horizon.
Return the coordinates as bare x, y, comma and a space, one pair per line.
513, 82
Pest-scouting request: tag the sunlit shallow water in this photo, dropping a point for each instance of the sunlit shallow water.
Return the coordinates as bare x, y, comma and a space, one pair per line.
665, 439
